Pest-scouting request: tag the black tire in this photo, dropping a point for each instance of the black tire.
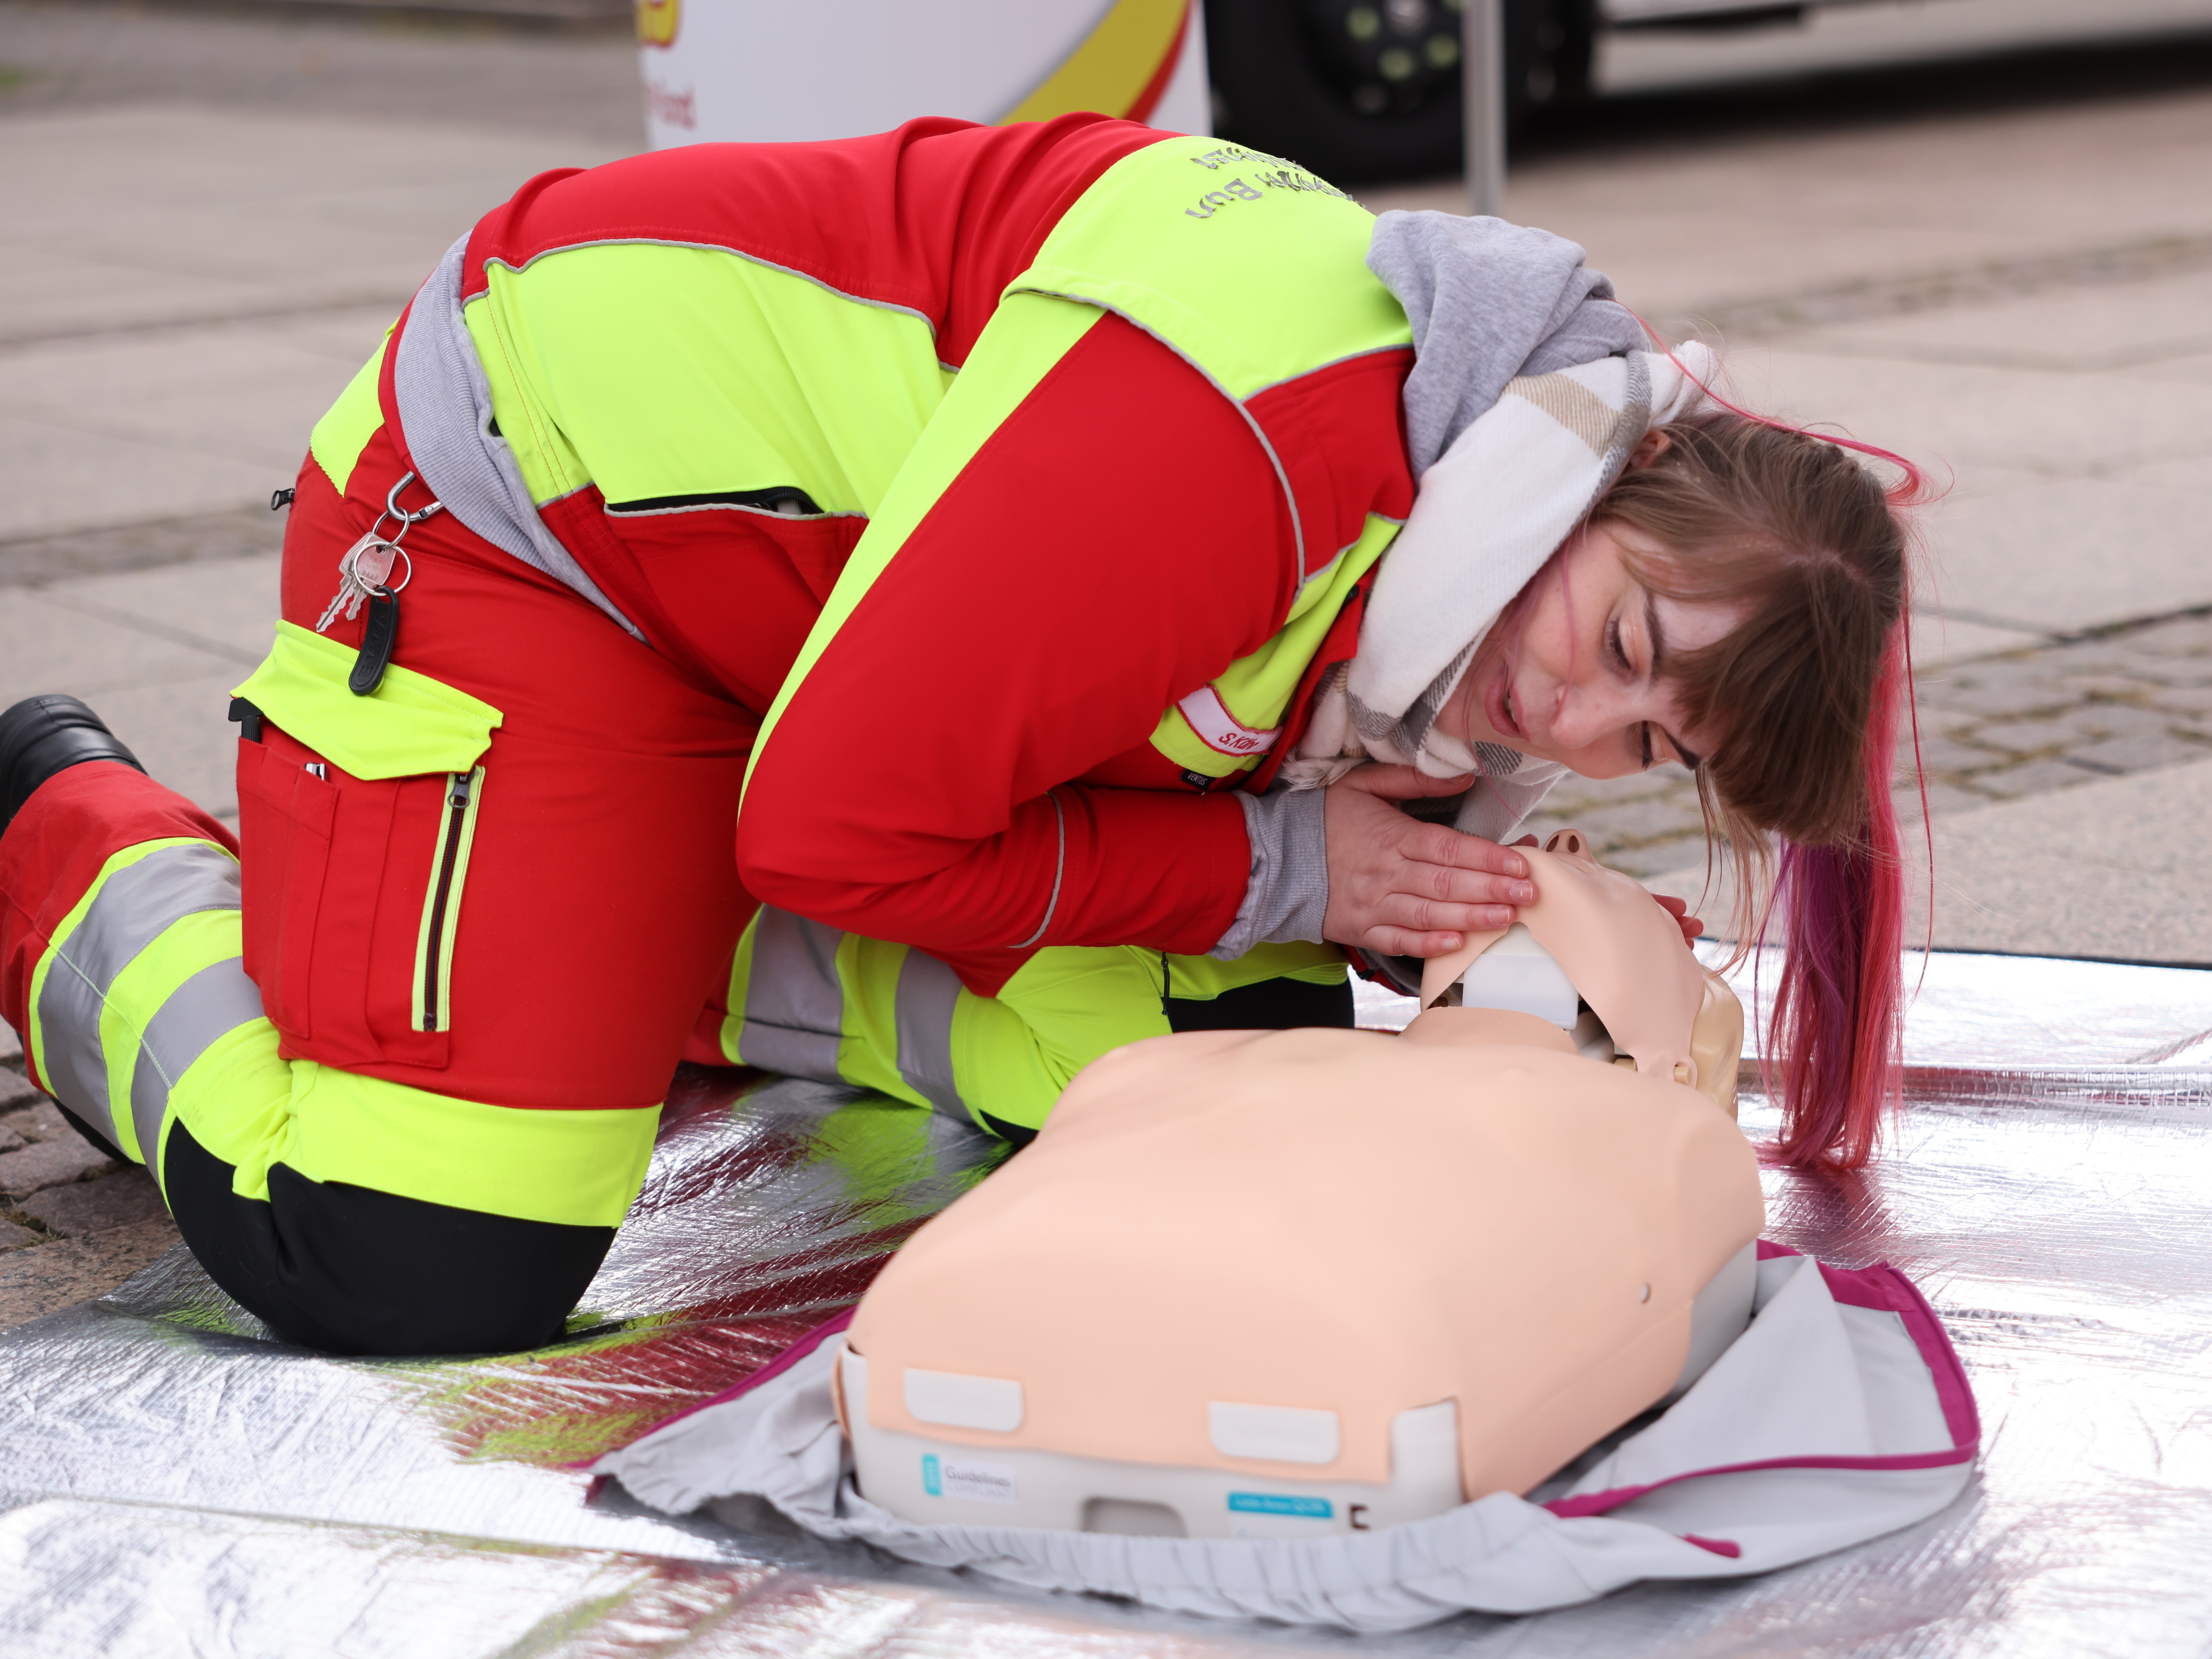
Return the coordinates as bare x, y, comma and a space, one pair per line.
1284, 83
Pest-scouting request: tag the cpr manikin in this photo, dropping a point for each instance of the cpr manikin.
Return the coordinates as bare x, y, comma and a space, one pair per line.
1284, 1284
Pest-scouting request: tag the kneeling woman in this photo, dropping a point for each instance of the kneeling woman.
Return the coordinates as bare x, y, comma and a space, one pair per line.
1069, 542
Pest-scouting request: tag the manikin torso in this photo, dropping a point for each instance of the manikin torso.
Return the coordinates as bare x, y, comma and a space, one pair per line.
1239, 1270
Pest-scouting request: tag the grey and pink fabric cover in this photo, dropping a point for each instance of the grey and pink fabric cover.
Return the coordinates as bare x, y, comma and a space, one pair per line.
1839, 1415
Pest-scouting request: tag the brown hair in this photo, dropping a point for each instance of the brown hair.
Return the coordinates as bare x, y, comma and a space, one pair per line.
1803, 537
1805, 696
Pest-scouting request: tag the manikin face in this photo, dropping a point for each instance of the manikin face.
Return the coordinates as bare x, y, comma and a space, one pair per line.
1575, 672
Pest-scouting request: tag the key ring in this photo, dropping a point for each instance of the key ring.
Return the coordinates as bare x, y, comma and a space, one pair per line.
351, 568
407, 521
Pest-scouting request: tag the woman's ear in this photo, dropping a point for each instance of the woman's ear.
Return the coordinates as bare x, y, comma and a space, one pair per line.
1649, 448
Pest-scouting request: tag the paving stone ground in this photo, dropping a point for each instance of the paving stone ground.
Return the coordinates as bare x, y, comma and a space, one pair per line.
73, 1223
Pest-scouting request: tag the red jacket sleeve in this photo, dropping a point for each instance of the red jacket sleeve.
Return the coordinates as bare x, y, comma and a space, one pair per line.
1117, 543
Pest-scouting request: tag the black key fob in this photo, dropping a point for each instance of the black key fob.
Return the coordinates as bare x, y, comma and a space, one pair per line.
378, 637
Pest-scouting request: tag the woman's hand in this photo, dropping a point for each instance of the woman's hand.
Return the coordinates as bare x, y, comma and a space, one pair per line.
1406, 888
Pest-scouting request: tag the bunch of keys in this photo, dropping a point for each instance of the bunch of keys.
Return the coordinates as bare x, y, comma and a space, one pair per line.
365, 578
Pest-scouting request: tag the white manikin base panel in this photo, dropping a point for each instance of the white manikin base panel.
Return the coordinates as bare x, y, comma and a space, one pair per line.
933, 1482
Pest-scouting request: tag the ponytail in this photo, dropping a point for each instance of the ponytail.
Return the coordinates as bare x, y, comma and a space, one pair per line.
1838, 1023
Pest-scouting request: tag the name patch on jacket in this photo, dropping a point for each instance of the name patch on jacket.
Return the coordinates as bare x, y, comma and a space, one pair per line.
1219, 729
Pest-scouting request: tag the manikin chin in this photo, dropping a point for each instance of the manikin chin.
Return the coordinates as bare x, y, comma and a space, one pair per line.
1286, 1283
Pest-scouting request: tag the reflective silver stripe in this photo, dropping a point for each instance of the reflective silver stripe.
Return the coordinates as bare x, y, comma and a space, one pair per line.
135, 906
210, 1005
1058, 872
795, 1002
928, 990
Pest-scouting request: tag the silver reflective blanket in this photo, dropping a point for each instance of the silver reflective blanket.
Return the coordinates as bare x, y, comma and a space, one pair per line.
170, 1482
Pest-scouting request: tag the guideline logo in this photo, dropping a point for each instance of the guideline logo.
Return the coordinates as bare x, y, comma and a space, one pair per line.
658, 21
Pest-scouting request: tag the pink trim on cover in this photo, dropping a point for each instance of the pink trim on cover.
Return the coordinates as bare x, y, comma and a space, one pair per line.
1881, 1287
774, 1368
1598, 1503
1727, 1546
1886, 1289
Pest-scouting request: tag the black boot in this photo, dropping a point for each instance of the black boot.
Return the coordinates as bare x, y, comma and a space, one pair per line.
41, 736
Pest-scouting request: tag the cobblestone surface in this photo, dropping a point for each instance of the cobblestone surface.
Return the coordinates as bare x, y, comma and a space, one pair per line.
93, 1206
73, 1223
2050, 716
45, 1277
48, 1163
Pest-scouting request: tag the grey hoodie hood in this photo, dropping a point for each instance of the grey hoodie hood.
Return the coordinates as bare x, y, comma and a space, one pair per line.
1488, 301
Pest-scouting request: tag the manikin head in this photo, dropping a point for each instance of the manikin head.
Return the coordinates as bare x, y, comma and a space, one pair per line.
1592, 961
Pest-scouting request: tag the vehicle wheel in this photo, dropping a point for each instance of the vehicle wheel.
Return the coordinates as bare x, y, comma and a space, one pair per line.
1359, 90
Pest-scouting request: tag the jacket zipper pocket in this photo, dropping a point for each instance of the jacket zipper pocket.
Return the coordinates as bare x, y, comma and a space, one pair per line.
441, 905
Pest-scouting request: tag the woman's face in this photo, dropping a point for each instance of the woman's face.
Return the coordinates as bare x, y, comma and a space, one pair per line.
1574, 671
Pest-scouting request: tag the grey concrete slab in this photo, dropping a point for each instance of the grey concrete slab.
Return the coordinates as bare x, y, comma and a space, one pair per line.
156, 652
259, 199
1692, 228
2196, 369
45, 646
1937, 639
1970, 416
227, 608
237, 393
2085, 329
401, 71
2073, 554
195, 286
56, 477
196, 538
2110, 869
180, 731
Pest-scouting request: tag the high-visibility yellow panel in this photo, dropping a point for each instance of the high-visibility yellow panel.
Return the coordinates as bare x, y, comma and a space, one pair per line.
1250, 267
348, 424
654, 370
410, 724
581, 1168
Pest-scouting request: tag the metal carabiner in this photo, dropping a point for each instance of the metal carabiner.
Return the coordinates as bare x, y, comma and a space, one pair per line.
392, 508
